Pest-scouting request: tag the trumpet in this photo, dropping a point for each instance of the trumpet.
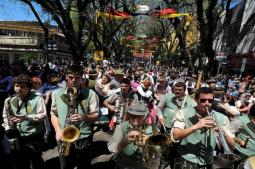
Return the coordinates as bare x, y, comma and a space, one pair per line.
227, 156
70, 132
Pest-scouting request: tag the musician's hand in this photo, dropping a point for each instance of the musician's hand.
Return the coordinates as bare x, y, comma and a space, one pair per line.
162, 121
77, 117
59, 135
207, 122
18, 118
113, 108
132, 136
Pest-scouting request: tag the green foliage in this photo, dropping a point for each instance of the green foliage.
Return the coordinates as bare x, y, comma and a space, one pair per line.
28, 57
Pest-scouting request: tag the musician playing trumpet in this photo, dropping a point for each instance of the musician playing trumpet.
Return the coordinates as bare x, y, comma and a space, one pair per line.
78, 107
129, 137
194, 130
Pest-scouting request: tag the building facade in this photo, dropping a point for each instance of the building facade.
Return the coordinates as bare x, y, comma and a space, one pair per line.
25, 40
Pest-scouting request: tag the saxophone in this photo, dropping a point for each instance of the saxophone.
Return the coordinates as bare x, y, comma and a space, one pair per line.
70, 132
12, 133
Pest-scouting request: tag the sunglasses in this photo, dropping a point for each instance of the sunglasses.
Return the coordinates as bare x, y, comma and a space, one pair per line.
204, 100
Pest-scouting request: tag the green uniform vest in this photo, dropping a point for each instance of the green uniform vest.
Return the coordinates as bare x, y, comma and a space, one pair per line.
171, 107
131, 157
83, 108
26, 127
247, 130
198, 147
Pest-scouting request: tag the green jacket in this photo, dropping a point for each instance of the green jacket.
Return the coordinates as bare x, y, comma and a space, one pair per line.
198, 147
28, 107
247, 130
131, 157
171, 107
84, 100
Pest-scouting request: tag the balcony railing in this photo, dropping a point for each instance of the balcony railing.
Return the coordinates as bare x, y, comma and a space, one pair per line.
16, 40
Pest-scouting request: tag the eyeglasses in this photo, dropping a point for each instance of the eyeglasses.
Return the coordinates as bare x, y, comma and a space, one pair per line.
204, 100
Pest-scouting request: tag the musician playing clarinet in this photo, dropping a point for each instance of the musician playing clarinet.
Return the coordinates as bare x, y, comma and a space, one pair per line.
195, 131
23, 116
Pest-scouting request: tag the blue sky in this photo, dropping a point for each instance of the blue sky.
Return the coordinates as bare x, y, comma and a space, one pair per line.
10, 11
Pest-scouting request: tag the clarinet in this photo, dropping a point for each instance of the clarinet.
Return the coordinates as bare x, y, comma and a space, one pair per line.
12, 133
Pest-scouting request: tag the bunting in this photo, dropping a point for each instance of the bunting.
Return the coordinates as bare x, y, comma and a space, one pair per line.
174, 15
113, 15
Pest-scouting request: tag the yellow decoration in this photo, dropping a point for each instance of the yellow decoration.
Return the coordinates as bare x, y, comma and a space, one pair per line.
157, 62
99, 55
110, 16
174, 15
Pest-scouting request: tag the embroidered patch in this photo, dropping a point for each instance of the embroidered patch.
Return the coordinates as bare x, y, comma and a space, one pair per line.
29, 109
85, 103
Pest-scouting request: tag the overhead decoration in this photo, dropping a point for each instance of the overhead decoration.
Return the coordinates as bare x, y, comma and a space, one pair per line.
174, 15
142, 9
113, 14
162, 12
146, 54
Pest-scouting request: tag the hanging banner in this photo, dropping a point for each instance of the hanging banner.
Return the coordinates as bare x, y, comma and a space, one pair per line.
112, 15
99, 55
174, 15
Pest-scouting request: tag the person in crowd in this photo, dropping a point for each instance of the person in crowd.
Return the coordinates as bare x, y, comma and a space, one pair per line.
168, 106
144, 91
193, 129
5, 86
77, 106
24, 115
127, 138
102, 87
167, 109
228, 106
161, 88
135, 82
244, 128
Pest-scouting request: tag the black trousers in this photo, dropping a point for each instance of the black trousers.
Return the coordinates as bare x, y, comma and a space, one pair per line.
180, 163
29, 152
79, 156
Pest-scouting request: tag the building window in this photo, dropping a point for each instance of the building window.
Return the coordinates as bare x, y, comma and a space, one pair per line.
4, 57
3, 32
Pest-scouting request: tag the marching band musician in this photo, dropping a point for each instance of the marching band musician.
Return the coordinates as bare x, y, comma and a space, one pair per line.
244, 127
122, 98
85, 113
25, 111
127, 137
193, 129
167, 108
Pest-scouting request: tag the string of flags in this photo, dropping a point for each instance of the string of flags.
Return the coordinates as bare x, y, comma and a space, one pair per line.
113, 14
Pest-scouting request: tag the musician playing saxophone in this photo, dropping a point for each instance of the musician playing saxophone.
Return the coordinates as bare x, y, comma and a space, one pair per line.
193, 129
244, 127
127, 137
25, 111
84, 111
